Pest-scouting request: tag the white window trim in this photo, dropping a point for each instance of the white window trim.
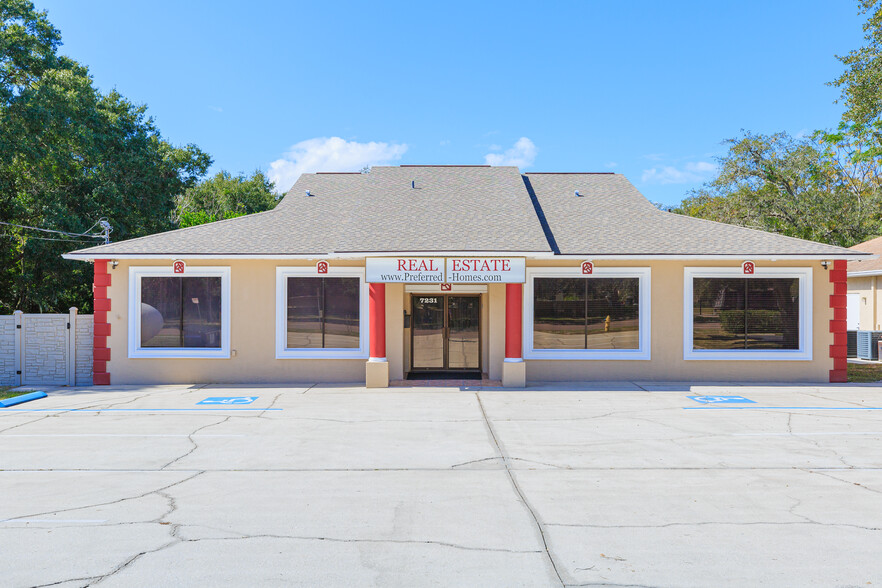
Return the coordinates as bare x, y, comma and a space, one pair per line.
804, 353
643, 352
135, 349
282, 351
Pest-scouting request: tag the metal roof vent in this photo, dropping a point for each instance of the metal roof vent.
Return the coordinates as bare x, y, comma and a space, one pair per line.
308, 193
578, 194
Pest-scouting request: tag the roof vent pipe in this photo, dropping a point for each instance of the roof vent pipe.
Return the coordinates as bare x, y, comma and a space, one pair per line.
413, 184
308, 193
578, 194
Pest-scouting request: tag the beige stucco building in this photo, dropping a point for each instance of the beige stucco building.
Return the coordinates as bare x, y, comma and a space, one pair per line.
472, 271
864, 288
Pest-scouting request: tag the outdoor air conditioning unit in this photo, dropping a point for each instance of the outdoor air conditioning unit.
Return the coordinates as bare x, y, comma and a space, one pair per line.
851, 340
867, 344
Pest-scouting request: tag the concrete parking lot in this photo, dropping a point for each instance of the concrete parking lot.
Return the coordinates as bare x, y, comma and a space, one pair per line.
318, 485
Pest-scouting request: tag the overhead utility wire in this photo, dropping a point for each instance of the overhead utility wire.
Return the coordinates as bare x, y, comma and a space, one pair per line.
105, 234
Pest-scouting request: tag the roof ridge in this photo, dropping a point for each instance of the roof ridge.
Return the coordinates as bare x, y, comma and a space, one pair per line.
572, 173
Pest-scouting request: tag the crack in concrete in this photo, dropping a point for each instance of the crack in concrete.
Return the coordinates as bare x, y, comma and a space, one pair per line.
505, 461
861, 486
835, 399
245, 536
83, 579
551, 465
193, 442
110, 502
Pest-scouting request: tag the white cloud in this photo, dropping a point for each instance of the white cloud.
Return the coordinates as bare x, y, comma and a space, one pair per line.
445, 143
521, 154
330, 154
610, 164
692, 172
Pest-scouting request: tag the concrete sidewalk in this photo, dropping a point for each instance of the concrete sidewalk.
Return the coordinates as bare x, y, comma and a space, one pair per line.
602, 484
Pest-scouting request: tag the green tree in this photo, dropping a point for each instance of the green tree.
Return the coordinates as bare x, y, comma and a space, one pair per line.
224, 196
70, 155
825, 187
810, 188
861, 82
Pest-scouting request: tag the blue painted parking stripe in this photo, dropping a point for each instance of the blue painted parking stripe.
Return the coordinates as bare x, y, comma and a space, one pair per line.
782, 407
130, 409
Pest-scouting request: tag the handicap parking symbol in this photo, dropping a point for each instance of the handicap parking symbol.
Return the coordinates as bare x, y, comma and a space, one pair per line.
720, 399
229, 400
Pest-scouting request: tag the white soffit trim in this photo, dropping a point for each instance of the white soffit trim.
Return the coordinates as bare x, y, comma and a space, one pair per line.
868, 273
527, 254
436, 288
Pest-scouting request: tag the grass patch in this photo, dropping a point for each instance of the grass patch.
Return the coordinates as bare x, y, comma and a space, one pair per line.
6, 392
863, 372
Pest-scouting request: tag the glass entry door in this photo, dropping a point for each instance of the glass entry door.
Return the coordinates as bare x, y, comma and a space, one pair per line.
446, 332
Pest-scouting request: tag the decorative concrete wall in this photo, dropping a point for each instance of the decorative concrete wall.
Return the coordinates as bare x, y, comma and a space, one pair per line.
46, 349
8, 367
84, 349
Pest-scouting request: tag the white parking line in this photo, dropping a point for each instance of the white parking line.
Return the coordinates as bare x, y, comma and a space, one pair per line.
113, 435
56, 521
807, 434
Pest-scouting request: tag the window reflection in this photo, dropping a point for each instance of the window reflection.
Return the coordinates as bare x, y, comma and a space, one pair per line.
323, 313
586, 313
181, 312
745, 313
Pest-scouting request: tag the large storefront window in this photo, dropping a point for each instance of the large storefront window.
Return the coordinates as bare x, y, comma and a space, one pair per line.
183, 312
728, 315
568, 315
173, 315
745, 313
586, 313
323, 313
321, 316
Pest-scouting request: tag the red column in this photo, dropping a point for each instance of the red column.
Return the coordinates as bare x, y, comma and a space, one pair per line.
101, 328
513, 321
839, 348
378, 322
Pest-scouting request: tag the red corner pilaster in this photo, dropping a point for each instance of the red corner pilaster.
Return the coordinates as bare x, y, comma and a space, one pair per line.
377, 322
838, 351
513, 320
101, 304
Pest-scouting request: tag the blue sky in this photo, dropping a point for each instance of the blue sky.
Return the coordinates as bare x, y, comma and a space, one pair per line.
644, 88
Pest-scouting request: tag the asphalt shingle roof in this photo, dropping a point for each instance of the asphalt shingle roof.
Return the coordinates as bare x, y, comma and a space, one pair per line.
463, 208
873, 246
612, 218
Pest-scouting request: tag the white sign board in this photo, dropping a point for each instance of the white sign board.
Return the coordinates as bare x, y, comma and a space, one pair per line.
482, 270
411, 270
451, 270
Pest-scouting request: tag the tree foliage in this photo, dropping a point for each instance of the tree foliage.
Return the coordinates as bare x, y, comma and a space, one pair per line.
825, 187
70, 155
224, 196
862, 80
806, 188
